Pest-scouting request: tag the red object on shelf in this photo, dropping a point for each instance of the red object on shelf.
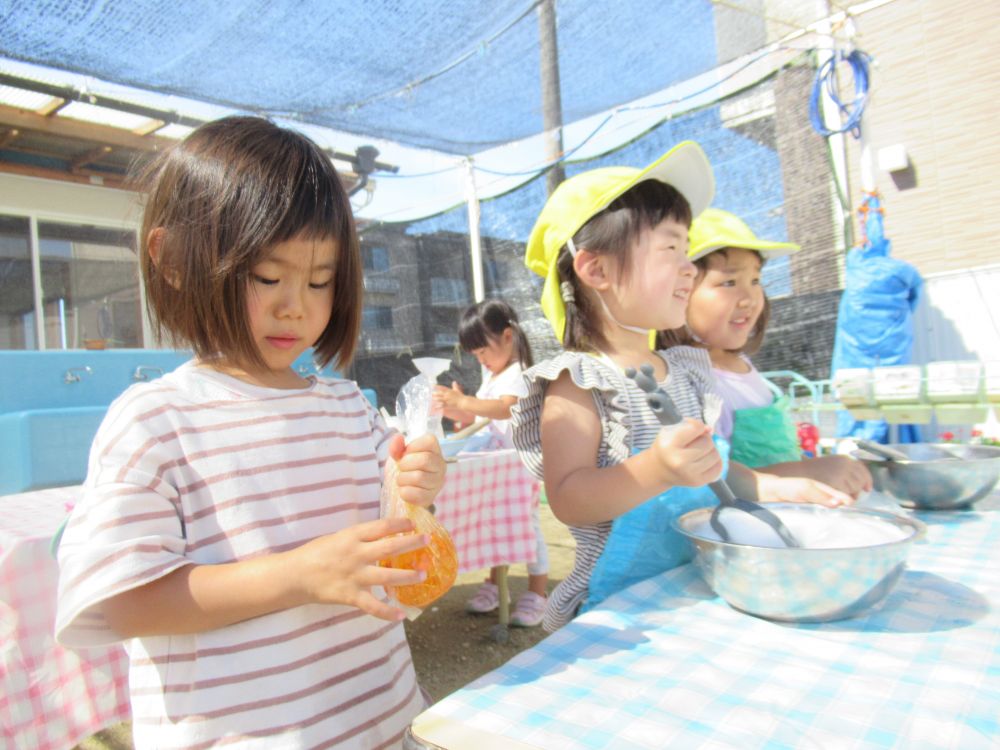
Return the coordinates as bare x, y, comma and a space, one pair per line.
808, 435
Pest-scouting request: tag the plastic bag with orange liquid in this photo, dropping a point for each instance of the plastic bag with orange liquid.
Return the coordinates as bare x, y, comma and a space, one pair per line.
438, 559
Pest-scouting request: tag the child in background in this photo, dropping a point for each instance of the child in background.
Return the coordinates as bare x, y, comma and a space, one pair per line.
491, 333
229, 531
727, 316
612, 245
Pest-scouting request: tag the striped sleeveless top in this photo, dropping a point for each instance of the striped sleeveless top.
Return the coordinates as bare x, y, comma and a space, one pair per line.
626, 421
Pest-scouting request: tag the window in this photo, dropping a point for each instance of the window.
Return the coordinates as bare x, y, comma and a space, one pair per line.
17, 304
494, 274
90, 286
449, 291
89, 281
376, 316
375, 258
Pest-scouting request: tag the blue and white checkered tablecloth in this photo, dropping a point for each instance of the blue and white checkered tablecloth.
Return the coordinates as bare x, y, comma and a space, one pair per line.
666, 663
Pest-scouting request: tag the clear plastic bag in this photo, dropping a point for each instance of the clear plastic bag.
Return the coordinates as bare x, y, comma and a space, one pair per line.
438, 559
414, 403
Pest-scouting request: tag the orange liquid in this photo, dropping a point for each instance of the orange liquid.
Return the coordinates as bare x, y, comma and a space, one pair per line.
438, 559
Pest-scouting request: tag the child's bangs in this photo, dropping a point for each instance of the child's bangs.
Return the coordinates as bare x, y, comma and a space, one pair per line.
653, 201
472, 334
315, 208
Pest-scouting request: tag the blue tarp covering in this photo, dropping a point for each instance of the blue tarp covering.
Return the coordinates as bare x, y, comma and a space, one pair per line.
875, 319
455, 77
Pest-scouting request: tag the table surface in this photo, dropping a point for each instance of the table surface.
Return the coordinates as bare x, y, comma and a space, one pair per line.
486, 505
52, 698
666, 663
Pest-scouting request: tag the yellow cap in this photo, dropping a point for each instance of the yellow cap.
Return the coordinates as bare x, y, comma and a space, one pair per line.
715, 229
581, 197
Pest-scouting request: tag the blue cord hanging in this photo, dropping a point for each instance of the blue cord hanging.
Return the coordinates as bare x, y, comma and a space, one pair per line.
825, 79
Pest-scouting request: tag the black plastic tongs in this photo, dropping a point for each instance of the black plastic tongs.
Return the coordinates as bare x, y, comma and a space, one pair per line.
666, 412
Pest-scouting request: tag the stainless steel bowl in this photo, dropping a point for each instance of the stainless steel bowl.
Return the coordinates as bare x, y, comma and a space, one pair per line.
929, 482
801, 584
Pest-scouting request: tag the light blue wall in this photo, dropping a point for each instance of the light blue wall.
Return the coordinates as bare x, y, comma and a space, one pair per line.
48, 424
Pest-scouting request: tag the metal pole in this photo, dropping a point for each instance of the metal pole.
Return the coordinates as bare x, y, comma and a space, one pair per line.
475, 245
551, 97
36, 282
837, 145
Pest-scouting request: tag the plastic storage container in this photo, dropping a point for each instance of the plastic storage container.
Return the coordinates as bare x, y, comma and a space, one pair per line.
954, 382
991, 381
900, 394
903, 384
854, 387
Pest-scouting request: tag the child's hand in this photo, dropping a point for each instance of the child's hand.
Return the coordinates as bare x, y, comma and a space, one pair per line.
421, 468
688, 454
447, 398
799, 490
840, 472
342, 568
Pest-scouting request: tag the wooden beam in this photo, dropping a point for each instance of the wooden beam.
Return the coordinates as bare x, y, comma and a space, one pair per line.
108, 181
150, 127
95, 154
8, 136
79, 130
53, 106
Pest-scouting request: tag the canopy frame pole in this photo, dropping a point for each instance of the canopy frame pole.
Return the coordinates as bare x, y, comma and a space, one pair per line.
551, 94
475, 243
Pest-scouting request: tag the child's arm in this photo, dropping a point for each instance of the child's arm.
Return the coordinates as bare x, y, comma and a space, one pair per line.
580, 493
464, 408
762, 487
338, 568
840, 472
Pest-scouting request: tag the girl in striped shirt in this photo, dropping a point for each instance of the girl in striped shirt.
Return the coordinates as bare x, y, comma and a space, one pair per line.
612, 245
229, 533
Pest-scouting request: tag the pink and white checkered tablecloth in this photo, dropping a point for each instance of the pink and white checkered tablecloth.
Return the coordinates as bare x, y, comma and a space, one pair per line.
486, 505
50, 697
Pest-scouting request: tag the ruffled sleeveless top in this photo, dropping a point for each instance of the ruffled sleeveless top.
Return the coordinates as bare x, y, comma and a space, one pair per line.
626, 422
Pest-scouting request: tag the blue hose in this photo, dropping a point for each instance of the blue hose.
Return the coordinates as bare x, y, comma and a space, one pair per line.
826, 80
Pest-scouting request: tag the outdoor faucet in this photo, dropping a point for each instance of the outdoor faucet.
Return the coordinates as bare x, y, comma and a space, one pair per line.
144, 372
71, 376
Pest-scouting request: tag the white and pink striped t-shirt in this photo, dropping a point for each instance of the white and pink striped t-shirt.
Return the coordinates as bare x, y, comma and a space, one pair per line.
198, 467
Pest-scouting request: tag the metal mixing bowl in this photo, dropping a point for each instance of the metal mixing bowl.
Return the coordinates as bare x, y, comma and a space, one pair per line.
927, 481
790, 584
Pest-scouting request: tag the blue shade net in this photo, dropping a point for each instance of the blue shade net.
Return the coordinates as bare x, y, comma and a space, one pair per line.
455, 77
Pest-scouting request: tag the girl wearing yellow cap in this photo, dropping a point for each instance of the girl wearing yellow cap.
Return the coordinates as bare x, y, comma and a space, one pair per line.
727, 316
612, 245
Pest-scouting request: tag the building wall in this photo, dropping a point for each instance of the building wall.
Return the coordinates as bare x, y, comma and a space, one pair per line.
69, 201
934, 90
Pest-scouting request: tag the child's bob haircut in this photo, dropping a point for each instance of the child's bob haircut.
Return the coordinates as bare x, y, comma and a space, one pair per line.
216, 204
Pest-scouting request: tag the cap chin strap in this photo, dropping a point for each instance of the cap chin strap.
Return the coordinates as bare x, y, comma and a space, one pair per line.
694, 335
571, 246
635, 329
